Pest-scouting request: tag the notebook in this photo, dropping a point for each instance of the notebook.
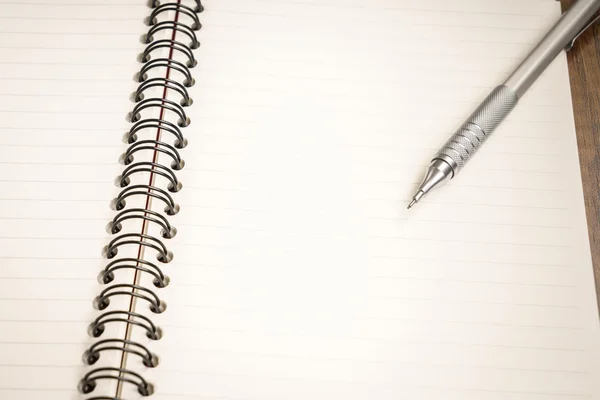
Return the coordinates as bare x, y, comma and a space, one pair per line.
208, 201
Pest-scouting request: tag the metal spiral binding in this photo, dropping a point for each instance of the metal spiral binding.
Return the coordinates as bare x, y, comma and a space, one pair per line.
177, 81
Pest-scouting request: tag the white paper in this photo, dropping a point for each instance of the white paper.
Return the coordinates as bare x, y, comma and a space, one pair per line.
66, 74
298, 273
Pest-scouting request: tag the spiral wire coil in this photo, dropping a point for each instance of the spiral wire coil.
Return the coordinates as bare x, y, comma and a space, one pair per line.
178, 80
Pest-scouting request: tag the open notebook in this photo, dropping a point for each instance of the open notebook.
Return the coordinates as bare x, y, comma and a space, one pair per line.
254, 243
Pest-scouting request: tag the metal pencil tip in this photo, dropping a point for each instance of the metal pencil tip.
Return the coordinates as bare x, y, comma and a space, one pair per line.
412, 203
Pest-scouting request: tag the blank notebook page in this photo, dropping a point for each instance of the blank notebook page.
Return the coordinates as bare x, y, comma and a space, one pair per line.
66, 74
298, 272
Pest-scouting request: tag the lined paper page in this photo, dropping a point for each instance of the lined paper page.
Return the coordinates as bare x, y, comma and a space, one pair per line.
299, 274
66, 74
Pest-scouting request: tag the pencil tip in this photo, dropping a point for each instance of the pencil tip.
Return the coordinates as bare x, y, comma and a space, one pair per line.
412, 203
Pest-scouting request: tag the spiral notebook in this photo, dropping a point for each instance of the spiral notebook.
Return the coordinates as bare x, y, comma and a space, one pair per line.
209, 202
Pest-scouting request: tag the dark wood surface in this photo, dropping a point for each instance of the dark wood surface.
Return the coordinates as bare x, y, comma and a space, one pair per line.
584, 71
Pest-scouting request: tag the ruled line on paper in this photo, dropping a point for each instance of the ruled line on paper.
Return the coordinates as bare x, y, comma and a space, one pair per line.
78, 4
366, 361
69, 33
439, 221
41, 365
406, 200
258, 28
403, 8
366, 383
398, 164
78, 50
67, 79
171, 393
287, 16
25, 342
55, 181
397, 183
438, 323
449, 260
56, 112
30, 389
376, 339
52, 218
61, 162
55, 95
432, 300
49, 298
249, 88
7, 278
400, 239
168, 394
61, 145
453, 222
30, 18
59, 129
51, 321
54, 200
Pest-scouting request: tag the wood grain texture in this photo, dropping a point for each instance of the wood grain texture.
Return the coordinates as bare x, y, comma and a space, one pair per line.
584, 72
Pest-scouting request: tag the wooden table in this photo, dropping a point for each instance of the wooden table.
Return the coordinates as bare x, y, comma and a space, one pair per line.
584, 71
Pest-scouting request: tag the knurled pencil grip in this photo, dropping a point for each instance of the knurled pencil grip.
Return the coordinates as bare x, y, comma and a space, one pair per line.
474, 131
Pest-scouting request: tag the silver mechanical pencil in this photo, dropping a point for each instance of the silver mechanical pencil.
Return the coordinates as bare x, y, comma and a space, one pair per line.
465, 142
